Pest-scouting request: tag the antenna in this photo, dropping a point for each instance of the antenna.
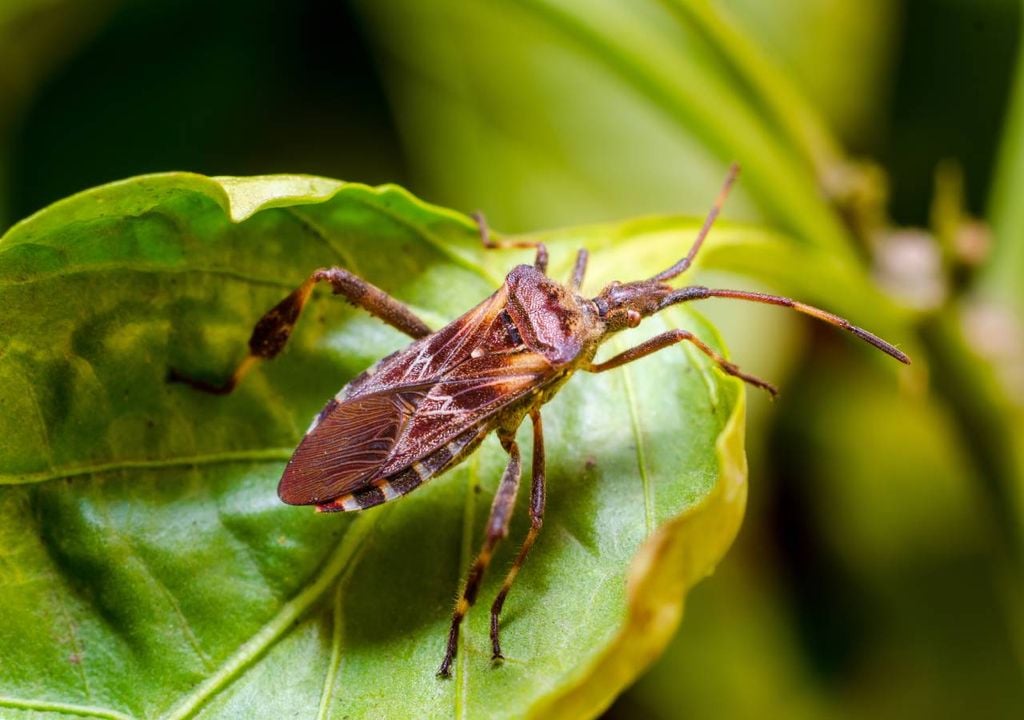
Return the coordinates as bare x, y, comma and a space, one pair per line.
680, 267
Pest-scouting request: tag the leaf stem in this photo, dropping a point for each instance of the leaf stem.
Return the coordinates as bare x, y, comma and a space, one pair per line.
796, 117
985, 418
698, 100
986, 422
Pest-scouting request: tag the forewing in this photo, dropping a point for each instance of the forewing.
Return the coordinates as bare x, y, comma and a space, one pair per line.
416, 408
472, 395
435, 356
347, 446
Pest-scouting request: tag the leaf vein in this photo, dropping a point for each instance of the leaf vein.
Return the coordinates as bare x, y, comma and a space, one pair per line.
63, 708
117, 268
465, 554
335, 661
641, 457
337, 637
346, 557
40, 418
261, 455
186, 626
308, 224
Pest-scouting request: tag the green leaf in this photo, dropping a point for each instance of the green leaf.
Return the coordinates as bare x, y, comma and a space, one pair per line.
148, 568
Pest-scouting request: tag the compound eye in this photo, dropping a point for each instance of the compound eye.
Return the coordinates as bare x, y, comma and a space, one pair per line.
602, 308
632, 318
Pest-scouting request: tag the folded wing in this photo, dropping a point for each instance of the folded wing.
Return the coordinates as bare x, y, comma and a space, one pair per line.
348, 446
368, 437
416, 407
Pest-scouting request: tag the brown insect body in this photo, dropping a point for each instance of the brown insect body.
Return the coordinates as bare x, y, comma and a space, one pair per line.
423, 409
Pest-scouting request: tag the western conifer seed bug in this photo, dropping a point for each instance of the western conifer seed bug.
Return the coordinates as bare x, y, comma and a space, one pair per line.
423, 409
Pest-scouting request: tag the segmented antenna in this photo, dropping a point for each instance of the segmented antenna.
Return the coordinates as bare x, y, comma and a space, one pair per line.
680, 267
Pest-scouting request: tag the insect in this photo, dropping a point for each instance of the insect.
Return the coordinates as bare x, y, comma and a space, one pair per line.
423, 409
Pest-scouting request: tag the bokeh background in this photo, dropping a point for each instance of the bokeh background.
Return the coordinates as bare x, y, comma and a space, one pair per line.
879, 570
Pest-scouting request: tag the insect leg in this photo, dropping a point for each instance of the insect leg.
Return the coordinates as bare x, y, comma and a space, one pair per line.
659, 342
271, 333
497, 528
579, 269
537, 497
540, 262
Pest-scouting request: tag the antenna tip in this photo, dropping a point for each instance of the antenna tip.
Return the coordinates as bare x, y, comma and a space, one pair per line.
879, 343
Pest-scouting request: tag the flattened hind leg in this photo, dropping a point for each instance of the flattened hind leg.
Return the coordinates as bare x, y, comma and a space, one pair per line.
273, 330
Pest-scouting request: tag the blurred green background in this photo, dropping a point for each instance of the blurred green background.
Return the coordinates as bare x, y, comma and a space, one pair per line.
879, 570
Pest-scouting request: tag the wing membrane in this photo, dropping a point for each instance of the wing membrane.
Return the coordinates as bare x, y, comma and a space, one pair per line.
347, 447
472, 394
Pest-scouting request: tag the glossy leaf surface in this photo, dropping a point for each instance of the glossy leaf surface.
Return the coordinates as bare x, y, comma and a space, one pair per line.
148, 568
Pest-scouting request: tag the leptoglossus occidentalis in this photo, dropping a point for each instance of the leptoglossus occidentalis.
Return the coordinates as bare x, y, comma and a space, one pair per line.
423, 409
